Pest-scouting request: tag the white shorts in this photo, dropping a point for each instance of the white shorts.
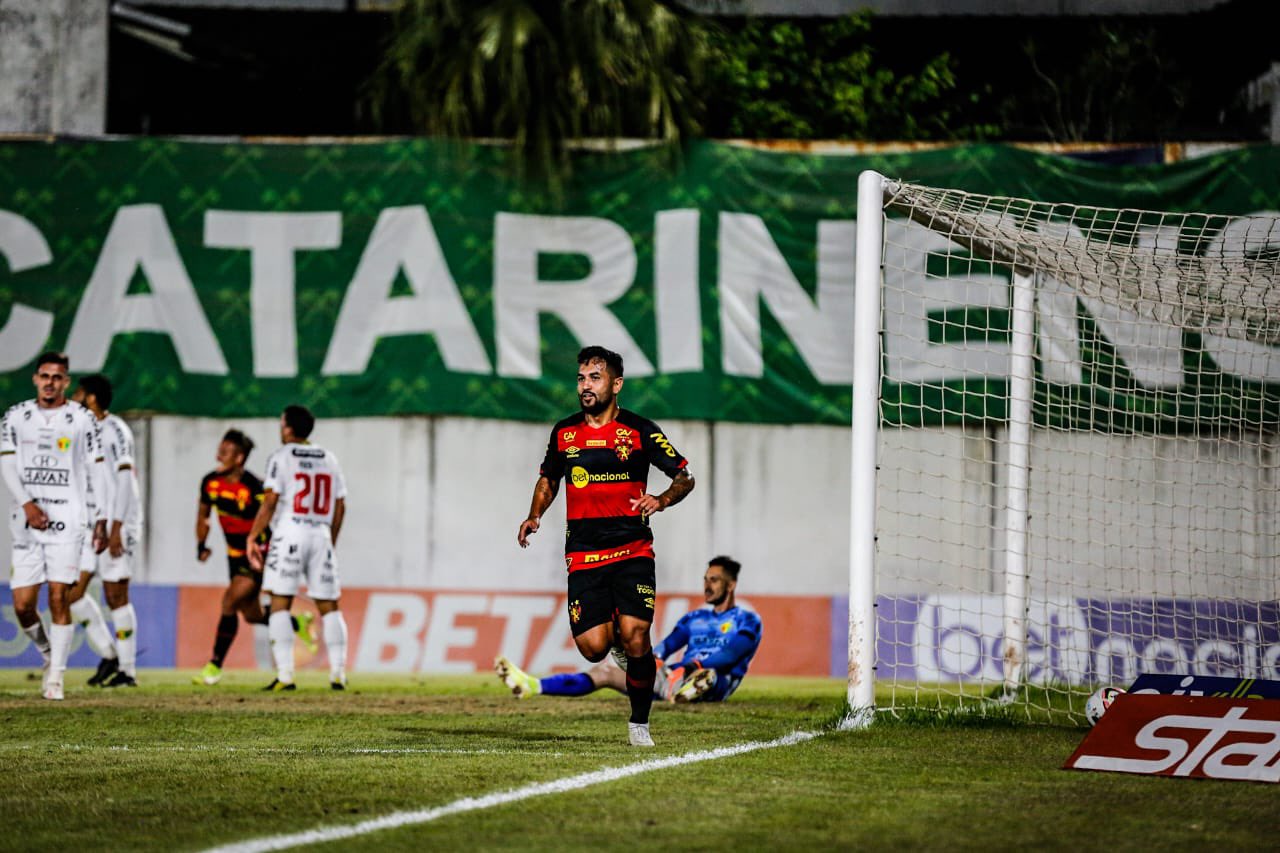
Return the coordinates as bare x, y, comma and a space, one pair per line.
35, 562
107, 567
301, 554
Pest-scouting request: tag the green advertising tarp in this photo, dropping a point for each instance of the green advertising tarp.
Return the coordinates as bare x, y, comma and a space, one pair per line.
412, 277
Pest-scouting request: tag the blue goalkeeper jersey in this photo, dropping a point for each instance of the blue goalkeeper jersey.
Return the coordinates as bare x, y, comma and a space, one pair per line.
723, 641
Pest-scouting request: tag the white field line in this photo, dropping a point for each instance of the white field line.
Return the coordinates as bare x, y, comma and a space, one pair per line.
499, 798
282, 750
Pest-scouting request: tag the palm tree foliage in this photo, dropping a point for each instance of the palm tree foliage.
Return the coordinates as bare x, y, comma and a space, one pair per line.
542, 73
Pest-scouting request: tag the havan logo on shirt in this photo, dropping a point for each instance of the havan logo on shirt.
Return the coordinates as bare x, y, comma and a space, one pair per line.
46, 477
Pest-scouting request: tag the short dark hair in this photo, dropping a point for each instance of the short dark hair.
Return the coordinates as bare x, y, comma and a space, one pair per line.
300, 420
53, 357
611, 359
240, 440
731, 566
99, 386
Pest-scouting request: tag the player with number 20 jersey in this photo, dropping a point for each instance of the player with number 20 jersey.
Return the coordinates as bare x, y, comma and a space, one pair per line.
308, 481
304, 500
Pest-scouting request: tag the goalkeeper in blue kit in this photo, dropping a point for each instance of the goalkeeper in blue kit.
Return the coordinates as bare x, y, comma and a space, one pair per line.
718, 642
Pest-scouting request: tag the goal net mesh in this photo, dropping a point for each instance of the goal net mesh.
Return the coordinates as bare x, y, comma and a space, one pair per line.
1153, 542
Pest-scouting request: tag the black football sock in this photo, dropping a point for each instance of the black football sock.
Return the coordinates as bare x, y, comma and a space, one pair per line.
227, 627
640, 675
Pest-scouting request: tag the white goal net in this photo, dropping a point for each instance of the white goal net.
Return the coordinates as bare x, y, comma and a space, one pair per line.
1069, 419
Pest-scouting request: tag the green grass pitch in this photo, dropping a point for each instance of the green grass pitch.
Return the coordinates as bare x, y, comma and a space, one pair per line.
171, 766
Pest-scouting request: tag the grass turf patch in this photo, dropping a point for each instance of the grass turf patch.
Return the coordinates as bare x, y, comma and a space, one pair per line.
173, 766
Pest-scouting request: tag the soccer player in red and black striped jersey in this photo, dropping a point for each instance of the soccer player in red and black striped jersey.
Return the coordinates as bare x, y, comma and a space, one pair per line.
235, 494
603, 453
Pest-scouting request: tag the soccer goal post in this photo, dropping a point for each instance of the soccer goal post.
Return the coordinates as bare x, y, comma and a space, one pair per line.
1065, 440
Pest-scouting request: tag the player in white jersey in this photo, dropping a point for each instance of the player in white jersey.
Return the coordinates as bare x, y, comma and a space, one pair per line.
123, 510
304, 502
50, 459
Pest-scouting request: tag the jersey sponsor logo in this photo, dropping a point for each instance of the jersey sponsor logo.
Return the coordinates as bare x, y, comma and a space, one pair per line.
572, 451
313, 452
568, 435
580, 477
1187, 736
44, 460
597, 442
661, 440
46, 476
64, 443
603, 556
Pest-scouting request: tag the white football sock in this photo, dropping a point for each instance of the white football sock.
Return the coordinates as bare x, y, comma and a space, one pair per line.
60, 637
335, 644
280, 629
39, 638
126, 624
86, 612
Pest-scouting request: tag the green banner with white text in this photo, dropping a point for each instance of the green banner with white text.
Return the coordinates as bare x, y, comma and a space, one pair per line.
413, 277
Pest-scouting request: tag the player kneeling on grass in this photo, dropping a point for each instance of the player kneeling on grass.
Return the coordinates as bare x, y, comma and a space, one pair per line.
718, 640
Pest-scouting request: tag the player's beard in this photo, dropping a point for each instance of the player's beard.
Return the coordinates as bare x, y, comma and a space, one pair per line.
601, 403
714, 600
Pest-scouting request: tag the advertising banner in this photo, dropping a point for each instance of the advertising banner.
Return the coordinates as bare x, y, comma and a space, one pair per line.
411, 277
951, 638
1176, 684
157, 608
938, 639
1185, 736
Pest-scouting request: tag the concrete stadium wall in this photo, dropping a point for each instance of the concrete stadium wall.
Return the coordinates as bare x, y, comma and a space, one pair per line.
434, 581
434, 503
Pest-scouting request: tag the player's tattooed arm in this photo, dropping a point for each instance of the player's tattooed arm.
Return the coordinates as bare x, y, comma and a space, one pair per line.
681, 485
544, 492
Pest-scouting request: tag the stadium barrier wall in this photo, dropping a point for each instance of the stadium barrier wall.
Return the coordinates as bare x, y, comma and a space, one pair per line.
436, 583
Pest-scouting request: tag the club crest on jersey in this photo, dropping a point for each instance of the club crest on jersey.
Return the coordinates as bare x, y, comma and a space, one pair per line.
725, 627
623, 445
64, 443
575, 612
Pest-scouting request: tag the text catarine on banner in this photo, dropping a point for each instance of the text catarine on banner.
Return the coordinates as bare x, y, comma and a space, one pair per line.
408, 276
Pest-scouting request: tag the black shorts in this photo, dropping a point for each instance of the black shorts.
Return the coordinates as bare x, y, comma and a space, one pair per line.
238, 567
627, 587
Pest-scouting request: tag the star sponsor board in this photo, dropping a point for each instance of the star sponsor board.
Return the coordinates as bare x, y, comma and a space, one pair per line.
1204, 737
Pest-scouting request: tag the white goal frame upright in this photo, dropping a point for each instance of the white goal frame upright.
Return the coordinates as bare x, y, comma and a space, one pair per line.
1237, 302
